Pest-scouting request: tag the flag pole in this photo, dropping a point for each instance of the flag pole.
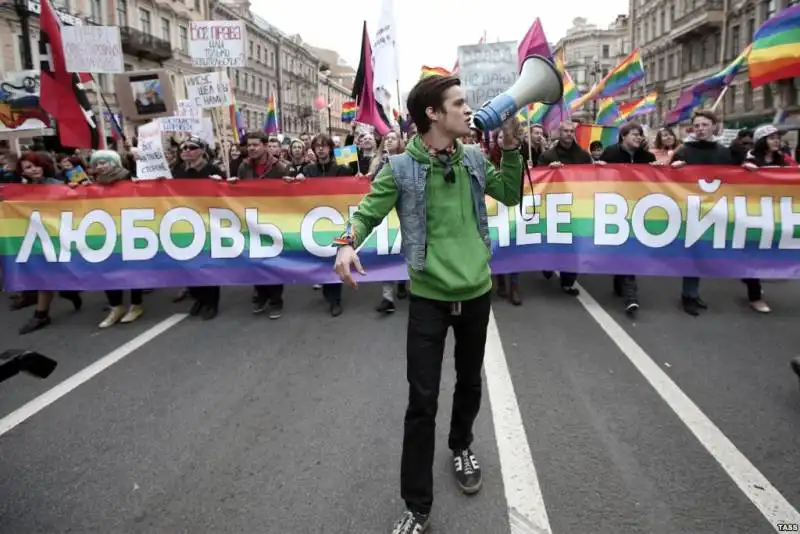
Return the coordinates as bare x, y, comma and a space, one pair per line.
719, 98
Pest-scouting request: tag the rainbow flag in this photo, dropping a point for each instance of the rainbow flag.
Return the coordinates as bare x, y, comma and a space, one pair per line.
608, 112
349, 111
571, 93
177, 233
775, 51
635, 108
628, 72
427, 72
585, 134
271, 120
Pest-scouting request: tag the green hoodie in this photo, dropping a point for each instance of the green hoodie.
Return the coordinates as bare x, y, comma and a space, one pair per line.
457, 260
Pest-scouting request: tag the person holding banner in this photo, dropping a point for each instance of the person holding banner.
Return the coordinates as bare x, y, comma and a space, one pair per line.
438, 186
194, 165
699, 148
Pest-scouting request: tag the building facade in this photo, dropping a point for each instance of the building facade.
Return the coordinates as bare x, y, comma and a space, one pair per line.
590, 52
336, 87
684, 42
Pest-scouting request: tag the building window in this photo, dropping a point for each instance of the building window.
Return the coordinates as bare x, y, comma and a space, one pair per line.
748, 97
97, 11
768, 8
672, 12
661, 73
751, 29
251, 48
165, 30
144, 21
128, 67
183, 34
767, 97
258, 52
122, 12
197, 5
735, 42
647, 32
663, 27
606, 51
260, 87
272, 59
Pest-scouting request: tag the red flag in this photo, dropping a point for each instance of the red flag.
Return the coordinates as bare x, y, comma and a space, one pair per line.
369, 112
62, 95
534, 42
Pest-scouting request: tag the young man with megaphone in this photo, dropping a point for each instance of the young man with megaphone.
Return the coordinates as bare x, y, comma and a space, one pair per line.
438, 187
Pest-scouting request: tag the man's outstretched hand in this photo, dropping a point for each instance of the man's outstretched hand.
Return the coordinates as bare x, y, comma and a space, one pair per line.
345, 258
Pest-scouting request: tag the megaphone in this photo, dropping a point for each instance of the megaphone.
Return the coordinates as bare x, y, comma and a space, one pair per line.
539, 81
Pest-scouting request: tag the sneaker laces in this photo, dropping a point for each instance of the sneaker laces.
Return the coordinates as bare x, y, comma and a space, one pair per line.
468, 462
408, 524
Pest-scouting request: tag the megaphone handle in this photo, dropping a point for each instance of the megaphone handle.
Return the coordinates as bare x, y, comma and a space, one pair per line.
486, 138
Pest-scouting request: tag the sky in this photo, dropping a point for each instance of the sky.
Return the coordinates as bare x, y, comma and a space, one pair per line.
430, 31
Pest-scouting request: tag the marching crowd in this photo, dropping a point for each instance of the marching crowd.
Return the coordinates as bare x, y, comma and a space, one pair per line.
267, 157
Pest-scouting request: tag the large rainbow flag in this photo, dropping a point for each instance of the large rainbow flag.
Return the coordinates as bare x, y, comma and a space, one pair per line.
775, 53
629, 71
585, 134
616, 218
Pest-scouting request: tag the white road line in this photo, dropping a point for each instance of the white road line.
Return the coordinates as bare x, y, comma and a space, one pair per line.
769, 501
84, 375
526, 510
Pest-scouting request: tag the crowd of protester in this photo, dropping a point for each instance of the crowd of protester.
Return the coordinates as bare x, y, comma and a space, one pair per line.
294, 159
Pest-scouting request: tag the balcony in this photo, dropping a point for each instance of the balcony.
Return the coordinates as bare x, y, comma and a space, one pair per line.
305, 111
701, 20
144, 46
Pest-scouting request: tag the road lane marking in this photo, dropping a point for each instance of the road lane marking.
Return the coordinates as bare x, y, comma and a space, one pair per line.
47, 398
526, 509
769, 501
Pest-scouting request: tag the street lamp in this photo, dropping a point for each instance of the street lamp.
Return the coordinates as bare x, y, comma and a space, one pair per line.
327, 73
595, 78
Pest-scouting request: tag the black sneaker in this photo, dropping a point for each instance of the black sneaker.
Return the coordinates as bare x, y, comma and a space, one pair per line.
412, 523
631, 309
336, 309
196, 308
468, 472
795, 363
35, 323
571, 290
402, 290
275, 311
386, 306
692, 306
209, 312
260, 306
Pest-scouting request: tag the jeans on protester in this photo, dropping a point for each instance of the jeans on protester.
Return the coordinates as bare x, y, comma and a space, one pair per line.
754, 293
115, 297
627, 287
387, 291
428, 323
568, 279
691, 287
332, 293
272, 294
206, 295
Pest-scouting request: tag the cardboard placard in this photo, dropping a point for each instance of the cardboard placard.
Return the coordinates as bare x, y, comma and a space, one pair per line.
145, 95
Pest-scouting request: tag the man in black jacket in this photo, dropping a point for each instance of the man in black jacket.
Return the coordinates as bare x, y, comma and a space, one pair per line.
628, 150
566, 152
700, 148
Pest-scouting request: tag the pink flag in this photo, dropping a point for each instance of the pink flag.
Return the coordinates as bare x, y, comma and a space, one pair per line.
368, 109
534, 42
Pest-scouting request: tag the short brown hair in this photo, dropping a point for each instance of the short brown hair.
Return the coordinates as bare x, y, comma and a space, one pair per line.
705, 113
428, 93
628, 127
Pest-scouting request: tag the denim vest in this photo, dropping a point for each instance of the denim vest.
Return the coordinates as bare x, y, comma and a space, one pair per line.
410, 176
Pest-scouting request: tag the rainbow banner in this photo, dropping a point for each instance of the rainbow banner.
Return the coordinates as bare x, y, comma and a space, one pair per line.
702, 221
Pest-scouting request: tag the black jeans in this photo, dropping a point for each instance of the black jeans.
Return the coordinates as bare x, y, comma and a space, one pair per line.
753, 289
332, 293
207, 295
625, 285
428, 323
568, 279
271, 294
116, 296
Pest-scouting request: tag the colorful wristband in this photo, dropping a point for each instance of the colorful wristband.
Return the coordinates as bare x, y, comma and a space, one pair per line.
348, 238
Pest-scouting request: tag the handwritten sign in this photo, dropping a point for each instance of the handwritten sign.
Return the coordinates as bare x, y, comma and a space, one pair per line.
218, 43
180, 124
186, 108
486, 70
95, 49
151, 163
208, 90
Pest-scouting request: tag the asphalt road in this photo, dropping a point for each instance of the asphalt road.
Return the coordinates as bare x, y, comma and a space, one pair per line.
248, 425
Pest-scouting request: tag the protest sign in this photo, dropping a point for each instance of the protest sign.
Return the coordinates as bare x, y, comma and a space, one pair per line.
94, 49
180, 124
208, 90
186, 108
151, 163
20, 109
218, 43
710, 221
486, 70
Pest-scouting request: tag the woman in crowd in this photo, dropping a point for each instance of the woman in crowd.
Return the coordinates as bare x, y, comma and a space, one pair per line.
766, 152
391, 145
107, 169
235, 158
297, 160
665, 145
38, 169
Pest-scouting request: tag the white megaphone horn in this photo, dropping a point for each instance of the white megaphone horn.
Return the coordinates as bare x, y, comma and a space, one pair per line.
539, 81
